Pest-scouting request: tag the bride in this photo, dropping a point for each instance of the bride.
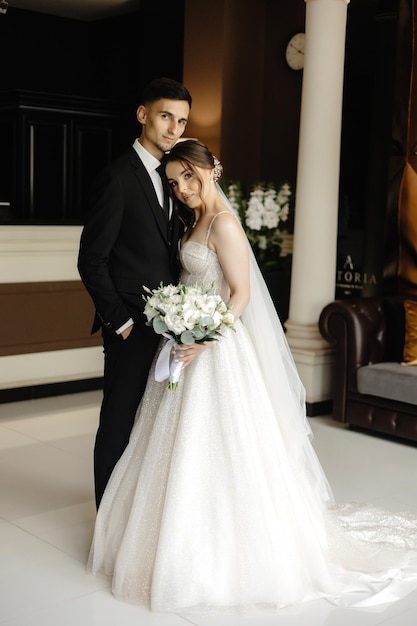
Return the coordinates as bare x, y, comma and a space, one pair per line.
219, 501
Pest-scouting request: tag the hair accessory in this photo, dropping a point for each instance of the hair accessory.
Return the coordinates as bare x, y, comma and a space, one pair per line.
218, 169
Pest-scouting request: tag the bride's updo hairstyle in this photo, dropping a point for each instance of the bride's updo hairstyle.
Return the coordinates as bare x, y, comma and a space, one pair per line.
192, 153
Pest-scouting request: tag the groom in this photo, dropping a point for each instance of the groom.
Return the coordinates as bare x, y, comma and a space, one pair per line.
129, 240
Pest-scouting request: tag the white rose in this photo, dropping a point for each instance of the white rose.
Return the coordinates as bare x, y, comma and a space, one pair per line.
191, 318
150, 312
283, 214
228, 319
283, 194
175, 324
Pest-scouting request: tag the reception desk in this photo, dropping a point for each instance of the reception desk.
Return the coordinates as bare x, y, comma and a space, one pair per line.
45, 314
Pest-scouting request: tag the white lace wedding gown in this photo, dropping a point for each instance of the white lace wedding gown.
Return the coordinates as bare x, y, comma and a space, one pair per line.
215, 506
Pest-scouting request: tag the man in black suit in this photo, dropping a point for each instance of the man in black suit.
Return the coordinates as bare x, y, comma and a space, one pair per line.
130, 240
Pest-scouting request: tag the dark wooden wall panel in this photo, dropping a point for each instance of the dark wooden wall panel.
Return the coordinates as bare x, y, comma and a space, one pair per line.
39, 317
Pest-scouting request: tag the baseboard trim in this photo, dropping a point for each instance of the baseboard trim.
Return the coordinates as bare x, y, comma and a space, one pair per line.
53, 389
18, 394
315, 409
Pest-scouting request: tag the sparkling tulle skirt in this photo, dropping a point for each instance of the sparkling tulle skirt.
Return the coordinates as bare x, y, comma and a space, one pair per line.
208, 510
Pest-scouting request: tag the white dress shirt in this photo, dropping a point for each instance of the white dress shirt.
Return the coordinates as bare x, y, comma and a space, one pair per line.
151, 163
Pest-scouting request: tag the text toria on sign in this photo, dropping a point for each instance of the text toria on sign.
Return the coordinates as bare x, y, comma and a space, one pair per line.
349, 279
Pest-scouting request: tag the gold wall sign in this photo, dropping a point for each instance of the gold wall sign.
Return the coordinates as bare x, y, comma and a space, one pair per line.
350, 280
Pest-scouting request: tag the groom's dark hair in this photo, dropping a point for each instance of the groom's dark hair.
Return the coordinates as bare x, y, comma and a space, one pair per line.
166, 88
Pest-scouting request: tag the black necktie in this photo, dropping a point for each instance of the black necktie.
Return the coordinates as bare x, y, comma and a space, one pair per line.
161, 172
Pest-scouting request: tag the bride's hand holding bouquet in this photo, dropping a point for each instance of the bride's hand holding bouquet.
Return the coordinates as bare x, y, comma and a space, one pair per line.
185, 315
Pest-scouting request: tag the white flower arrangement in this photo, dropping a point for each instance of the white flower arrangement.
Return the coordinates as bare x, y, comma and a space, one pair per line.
262, 215
184, 314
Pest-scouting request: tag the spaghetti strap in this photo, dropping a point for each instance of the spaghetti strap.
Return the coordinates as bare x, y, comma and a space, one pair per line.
211, 224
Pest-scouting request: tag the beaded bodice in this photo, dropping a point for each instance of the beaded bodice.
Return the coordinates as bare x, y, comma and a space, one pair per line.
200, 266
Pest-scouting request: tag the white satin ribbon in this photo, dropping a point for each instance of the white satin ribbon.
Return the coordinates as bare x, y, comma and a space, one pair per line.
165, 368
162, 366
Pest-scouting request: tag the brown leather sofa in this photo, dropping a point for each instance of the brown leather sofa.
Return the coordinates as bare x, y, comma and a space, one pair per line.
372, 390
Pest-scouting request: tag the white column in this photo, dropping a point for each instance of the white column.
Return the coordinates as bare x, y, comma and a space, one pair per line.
317, 193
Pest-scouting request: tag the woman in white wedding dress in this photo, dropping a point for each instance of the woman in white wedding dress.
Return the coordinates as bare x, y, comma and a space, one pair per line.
219, 501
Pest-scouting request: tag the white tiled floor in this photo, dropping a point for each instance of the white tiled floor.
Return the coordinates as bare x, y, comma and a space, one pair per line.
47, 515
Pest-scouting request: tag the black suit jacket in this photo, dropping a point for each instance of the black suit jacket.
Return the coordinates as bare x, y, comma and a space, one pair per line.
126, 242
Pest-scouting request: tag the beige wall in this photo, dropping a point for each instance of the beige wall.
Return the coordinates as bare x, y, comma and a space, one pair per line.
246, 100
203, 69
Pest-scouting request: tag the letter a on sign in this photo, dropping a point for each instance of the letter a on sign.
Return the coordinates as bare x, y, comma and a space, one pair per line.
348, 263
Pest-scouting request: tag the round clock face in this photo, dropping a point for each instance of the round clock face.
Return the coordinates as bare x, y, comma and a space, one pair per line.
294, 52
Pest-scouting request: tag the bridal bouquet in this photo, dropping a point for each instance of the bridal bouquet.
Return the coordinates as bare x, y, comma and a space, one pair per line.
262, 215
184, 314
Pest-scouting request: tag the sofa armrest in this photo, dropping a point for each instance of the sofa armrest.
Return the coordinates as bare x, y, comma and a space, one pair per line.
356, 327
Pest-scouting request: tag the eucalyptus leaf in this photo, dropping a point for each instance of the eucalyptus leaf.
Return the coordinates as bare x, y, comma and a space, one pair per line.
187, 338
199, 333
206, 321
159, 325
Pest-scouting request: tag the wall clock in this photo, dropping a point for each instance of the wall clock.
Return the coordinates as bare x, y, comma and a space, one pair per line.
294, 53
